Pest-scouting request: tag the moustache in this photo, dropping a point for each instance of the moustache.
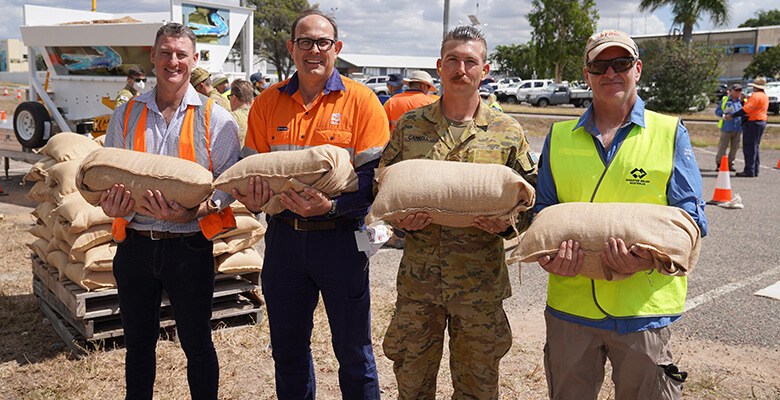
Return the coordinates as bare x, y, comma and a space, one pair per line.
460, 79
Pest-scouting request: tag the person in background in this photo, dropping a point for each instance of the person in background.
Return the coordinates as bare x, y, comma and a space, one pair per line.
258, 82
753, 114
222, 85
731, 130
587, 160
455, 279
165, 247
241, 96
136, 81
489, 98
201, 81
420, 86
395, 85
310, 247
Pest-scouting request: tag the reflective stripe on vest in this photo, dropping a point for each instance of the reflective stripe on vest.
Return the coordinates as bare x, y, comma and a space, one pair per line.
193, 145
722, 107
638, 173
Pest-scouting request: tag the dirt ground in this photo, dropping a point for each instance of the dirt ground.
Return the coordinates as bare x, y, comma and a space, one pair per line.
35, 364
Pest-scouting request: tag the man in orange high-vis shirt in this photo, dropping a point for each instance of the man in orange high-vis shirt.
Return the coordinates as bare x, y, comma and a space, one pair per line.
755, 111
310, 248
420, 85
163, 247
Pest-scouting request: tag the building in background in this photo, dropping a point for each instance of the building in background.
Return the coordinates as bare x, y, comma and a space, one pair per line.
741, 44
365, 65
13, 56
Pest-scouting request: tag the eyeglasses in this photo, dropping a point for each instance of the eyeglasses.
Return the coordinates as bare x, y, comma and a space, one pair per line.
307, 44
737, 90
139, 79
620, 64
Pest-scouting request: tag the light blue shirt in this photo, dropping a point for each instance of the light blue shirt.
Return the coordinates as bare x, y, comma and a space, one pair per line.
684, 190
161, 138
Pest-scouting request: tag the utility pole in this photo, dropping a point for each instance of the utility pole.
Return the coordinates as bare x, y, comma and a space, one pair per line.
446, 18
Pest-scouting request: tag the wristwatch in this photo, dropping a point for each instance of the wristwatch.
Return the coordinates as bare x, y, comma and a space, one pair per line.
333, 208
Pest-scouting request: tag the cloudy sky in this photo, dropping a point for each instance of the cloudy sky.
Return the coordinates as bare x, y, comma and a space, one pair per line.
414, 27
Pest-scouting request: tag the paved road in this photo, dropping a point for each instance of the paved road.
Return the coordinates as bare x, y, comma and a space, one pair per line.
740, 255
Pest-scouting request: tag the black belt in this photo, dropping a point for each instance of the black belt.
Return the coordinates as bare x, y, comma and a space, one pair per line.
306, 225
158, 235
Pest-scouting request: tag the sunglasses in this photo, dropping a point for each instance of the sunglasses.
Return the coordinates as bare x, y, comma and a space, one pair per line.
139, 79
620, 64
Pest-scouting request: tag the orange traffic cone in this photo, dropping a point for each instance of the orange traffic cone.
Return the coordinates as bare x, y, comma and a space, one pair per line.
5, 91
778, 164
723, 184
18, 94
3, 117
2, 193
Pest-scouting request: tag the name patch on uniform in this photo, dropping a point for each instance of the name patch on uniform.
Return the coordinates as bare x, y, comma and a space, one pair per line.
335, 118
636, 177
281, 128
421, 138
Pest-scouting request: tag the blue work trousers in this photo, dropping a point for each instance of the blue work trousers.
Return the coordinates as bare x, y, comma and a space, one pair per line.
751, 139
298, 267
184, 268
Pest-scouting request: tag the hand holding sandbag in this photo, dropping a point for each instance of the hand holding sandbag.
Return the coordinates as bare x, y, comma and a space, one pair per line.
668, 233
451, 193
326, 168
179, 180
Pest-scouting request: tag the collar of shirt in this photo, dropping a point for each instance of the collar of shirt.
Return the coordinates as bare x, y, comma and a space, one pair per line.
191, 97
334, 83
434, 114
636, 117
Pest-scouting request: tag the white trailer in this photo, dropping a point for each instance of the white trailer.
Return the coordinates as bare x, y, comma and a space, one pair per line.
87, 55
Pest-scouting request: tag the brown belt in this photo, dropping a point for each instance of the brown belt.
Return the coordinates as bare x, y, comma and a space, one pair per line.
306, 225
158, 235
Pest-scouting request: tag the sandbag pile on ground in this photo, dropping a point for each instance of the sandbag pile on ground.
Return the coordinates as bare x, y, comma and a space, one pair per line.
72, 235
669, 233
233, 250
452, 193
326, 168
179, 180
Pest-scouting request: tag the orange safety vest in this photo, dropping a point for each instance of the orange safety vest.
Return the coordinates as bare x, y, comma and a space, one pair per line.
211, 225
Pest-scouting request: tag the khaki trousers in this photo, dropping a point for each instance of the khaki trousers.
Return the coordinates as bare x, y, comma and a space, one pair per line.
479, 337
642, 365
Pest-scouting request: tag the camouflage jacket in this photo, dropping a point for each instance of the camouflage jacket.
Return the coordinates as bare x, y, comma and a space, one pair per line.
458, 265
124, 96
223, 102
241, 115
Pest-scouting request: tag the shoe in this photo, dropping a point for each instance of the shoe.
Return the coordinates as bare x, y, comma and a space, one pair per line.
395, 242
731, 169
744, 175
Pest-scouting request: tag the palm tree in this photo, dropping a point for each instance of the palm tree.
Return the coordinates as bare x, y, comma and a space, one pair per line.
687, 12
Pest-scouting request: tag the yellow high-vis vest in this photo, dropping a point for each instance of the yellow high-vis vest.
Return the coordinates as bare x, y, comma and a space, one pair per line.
638, 173
194, 143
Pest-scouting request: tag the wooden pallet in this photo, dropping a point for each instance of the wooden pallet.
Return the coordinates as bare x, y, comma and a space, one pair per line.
79, 316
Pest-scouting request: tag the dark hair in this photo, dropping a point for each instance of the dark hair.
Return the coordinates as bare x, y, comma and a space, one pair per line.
175, 29
314, 11
243, 90
135, 70
466, 34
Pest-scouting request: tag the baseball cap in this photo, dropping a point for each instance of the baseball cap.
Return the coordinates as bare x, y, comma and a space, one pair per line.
219, 79
198, 75
607, 38
256, 77
736, 86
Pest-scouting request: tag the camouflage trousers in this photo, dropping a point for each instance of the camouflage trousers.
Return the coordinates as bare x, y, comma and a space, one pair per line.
479, 337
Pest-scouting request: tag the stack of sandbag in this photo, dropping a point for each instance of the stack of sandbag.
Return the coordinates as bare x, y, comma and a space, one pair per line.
452, 193
72, 235
326, 168
234, 251
668, 233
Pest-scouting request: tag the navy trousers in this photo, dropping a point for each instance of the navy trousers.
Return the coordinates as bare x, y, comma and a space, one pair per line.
751, 139
298, 267
184, 268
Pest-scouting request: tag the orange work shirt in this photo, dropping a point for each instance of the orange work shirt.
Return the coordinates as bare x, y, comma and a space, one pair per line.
399, 104
757, 106
346, 114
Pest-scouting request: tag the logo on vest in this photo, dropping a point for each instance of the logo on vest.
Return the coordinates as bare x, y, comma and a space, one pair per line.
637, 175
335, 118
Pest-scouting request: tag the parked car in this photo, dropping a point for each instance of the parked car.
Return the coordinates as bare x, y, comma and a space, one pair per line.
720, 92
503, 83
377, 84
502, 94
527, 86
773, 92
560, 94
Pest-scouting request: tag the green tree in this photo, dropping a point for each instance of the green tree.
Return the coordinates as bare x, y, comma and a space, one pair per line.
765, 18
561, 29
687, 12
676, 77
273, 19
766, 63
515, 59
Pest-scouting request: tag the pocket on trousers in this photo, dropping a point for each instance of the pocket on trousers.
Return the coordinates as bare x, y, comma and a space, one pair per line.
198, 243
670, 382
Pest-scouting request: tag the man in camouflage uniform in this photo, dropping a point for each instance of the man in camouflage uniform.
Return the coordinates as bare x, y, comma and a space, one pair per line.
454, 278
200, 79
241, 96
136, 81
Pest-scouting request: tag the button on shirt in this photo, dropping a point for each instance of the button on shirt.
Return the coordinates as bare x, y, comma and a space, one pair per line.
162, 139
684, 190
